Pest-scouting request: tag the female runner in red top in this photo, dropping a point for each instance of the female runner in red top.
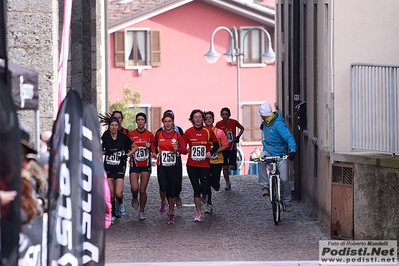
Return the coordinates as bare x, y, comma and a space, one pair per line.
200, 140
216, 159
229, 126
140, 163
169, 143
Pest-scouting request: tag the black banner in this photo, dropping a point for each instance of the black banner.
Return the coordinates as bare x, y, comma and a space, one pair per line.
65, 236
10, 178
93, 189
76, 221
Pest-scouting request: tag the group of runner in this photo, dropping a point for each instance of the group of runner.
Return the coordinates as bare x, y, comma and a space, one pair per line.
209, 148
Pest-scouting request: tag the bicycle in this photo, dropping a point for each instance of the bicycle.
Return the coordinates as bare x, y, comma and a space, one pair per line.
274, 184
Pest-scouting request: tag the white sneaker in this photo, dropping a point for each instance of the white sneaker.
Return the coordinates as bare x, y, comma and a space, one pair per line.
142, 215
228, 186
198, 217
113, 219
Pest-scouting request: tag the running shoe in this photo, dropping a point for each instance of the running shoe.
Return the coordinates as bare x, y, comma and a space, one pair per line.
228, 186
135, 202
204, 199
179, 204
162, 208
265, 192
142, 215
209, 209
288, 207
171, 218
198, 217
118, 213
122, 208
113, 219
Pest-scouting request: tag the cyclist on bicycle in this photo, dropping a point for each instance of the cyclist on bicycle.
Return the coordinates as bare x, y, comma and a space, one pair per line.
277, 138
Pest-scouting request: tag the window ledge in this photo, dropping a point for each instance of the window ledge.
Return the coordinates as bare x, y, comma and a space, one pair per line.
244, 65
137, 67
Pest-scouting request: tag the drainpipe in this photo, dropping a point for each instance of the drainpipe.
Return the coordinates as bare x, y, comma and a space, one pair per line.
332, 148
296, 91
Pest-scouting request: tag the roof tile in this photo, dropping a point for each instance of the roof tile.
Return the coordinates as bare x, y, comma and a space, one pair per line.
120, 10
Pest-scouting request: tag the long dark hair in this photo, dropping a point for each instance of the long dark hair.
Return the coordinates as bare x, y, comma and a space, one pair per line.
104, 118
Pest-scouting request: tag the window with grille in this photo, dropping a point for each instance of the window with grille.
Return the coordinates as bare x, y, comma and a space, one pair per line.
342, 174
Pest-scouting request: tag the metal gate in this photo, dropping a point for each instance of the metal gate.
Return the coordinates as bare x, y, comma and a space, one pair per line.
342, 201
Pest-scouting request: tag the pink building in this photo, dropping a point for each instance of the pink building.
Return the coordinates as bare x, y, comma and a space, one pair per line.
157, 47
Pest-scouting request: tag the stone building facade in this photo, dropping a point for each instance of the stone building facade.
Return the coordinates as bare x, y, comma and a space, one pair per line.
34, 37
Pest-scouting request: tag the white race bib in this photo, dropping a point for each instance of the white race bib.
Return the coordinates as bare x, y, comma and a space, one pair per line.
229, 136
198, 153
141, 154
168, 158
113, 159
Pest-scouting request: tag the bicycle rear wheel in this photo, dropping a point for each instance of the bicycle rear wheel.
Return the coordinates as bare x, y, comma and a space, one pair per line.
275, 201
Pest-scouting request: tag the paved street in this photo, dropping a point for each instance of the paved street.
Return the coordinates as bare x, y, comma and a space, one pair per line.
241, 229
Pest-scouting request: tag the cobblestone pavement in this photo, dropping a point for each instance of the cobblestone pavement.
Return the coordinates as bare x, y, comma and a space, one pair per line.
240, 229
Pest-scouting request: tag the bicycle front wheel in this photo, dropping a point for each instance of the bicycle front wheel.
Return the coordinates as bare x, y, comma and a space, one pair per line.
275, 201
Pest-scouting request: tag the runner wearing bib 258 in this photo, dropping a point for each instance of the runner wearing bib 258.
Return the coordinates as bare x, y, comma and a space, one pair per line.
202, 144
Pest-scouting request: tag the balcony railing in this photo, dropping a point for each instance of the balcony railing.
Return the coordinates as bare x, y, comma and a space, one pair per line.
374, 108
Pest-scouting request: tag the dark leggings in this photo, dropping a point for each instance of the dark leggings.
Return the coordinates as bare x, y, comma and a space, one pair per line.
179, 180
199, 178
214, 179
168, 179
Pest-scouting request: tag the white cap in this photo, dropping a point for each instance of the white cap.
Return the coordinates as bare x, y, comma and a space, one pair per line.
265, 109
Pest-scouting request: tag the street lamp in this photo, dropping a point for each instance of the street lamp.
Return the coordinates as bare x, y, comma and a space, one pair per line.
233, 54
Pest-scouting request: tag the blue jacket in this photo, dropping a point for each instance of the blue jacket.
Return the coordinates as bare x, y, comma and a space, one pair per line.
277, 138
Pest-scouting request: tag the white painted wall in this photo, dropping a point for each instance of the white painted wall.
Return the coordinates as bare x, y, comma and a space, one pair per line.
364, 31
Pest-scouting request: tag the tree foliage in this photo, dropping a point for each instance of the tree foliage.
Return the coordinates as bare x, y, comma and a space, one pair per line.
124, 105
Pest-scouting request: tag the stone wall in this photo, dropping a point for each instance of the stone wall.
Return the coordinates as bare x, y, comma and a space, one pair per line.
33, 43
86, 50
34, 36
375, 195
376, 200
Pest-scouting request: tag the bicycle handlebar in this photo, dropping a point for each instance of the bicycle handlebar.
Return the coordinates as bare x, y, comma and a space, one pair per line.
280, 157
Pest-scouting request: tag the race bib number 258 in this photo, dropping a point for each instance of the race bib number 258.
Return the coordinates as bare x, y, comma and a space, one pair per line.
198, 153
